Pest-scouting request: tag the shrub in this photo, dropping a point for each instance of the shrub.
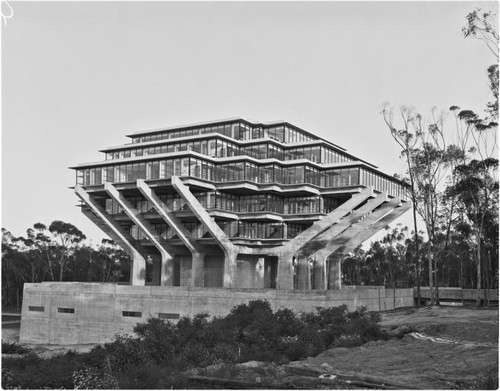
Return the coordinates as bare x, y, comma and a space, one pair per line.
157, 339
7, 379
93, 379
14, 348
195, 354
124, 350
32, 372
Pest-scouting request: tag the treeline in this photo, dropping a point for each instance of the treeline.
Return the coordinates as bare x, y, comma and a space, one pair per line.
392, 261
57, 252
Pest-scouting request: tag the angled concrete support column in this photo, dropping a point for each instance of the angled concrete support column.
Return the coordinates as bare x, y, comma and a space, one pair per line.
374, 223
104, 220
342, 225
156, 239
197, 250
326, 222
230, 250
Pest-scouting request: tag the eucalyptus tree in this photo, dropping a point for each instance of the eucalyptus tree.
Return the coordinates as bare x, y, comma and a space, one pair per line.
65, 238
424, 148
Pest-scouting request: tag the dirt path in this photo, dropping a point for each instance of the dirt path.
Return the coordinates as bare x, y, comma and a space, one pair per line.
448, 345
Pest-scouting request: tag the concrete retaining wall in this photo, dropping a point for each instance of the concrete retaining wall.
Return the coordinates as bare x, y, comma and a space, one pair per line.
80, 313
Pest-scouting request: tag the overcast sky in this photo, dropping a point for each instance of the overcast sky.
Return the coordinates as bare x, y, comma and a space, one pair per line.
79, 76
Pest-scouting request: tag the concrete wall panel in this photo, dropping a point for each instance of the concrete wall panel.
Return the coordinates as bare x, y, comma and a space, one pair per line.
98, 308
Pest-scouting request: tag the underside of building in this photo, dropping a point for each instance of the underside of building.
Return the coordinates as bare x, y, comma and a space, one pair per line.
237, 204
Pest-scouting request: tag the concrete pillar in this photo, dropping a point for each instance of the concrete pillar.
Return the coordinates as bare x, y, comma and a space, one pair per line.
303, 278
138, 270
198, 269
156, 275
167, 270
335, 274
285, 272
259, 274
319, 273
229, 269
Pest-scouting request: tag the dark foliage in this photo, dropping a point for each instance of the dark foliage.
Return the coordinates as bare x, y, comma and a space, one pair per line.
14, 348
155, 357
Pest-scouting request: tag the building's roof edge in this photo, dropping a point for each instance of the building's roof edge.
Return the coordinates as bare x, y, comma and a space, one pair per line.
226, 120
193, 125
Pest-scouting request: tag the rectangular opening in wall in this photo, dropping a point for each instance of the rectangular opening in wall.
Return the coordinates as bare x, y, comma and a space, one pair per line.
66, 310
36, 308
132, 314
168, 316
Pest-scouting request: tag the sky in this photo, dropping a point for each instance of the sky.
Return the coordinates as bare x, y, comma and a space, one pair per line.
78, 76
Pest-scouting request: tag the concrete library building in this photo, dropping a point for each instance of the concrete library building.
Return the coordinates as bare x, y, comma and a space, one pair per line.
217, 214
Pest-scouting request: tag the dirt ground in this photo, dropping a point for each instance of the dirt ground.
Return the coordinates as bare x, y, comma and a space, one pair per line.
449, 345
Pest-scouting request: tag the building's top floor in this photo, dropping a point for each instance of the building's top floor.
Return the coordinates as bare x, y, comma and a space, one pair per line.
236, 128
281, 140
237, 146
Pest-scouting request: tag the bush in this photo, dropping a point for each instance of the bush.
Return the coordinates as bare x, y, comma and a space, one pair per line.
125, 350
154, 358
7, 379
157, 339
14, 348
32, 372
93, 379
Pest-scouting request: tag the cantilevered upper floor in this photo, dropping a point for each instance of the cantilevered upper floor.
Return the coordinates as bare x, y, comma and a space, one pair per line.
236, 150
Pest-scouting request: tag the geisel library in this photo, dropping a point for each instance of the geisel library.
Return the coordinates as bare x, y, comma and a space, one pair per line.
217, 214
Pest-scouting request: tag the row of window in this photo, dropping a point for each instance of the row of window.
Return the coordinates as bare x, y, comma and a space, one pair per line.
238, 171
237, 131
134, 314
233, 229
234, 203
64, 310
222, 148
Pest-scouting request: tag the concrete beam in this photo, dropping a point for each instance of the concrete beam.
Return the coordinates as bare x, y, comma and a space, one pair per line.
106, 222
326, 222
153, 235
363, 232
229, 249
324, 238
169, 217
355, 232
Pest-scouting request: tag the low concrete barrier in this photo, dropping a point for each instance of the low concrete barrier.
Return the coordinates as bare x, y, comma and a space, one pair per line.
457, 295
81, 313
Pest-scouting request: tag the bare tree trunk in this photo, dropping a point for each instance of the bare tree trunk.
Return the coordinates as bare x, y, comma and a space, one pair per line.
436, 282
478, 287
431, 285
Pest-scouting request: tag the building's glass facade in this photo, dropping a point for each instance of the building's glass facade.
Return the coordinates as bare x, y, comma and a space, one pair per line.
314, 176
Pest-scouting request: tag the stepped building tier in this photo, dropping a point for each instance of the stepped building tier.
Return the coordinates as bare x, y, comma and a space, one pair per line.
237, 204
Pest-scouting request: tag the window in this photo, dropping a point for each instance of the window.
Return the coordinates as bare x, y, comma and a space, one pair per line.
66, 310
36, 308
132, 314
